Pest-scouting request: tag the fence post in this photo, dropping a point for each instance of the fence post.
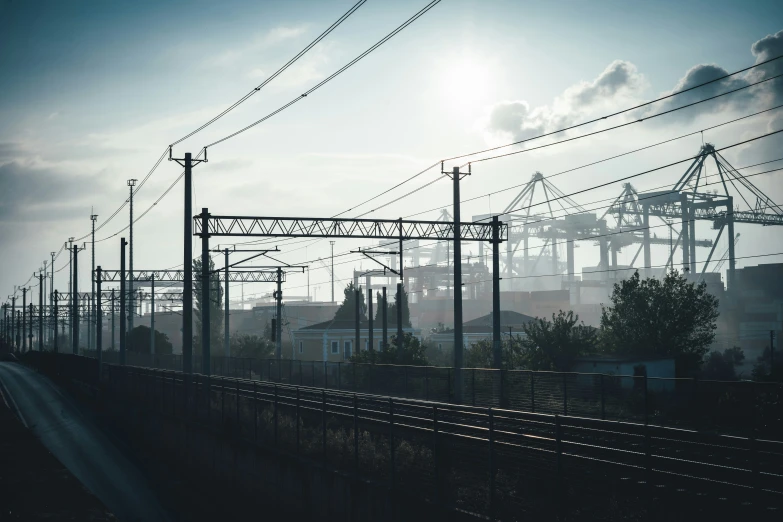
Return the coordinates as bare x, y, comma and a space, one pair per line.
255, 412
323, 423
222, 400
491, 465
301, 376
427, 383
237, 416
297, 420
325, 373
391, 443
448, 378
647, 462
290, 371
407, 391
559, 480
646, 402
435, 453
275, 422
532, 392
312, 371
603, 400
355, 435
473, 385
565, 394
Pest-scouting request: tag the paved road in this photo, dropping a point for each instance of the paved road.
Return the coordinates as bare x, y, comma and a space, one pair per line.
80, 445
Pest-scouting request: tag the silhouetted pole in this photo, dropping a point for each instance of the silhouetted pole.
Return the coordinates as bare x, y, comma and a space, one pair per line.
24, 320
331, 243
771, 351
279, 315
399, 317
74, 297
41, 278
56, 317
497, 354
152, 315
357, 319
385, 320
94, 314
19, 329
369, 319
458, 342
98, 319
51, 286
123, 332
113, 313
206, 302
226, 338
187, 287
131, 307
30, 334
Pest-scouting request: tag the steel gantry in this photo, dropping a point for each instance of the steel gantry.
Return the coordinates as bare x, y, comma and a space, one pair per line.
207, 225
690, 201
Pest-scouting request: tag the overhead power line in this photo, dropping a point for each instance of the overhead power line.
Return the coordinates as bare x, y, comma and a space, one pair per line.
290, 62
334, 74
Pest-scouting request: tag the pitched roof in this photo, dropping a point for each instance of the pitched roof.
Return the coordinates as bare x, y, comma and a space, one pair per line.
343, 324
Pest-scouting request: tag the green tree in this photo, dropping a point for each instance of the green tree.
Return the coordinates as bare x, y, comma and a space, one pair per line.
347, 310
553, 345
412, 353
406, 312
215, 308
763, 370
139, 341
253, 346
661, 317
481, 355
723, 366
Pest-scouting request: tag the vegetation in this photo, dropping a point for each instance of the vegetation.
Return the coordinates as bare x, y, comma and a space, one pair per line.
763, 369
722, 366
406, 313
412, 353
553, 345
481, 355
347, 310
252, 346
661, 317
139, 341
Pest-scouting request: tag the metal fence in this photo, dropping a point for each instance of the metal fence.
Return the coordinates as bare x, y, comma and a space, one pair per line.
495, 463
732, 407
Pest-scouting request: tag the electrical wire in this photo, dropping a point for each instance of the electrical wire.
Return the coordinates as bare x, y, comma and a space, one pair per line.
332, 76
275, 74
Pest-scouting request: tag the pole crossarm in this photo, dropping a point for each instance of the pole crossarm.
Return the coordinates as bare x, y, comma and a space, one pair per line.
343, 228
178, 276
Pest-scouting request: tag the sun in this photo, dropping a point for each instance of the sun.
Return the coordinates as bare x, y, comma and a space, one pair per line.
466, 82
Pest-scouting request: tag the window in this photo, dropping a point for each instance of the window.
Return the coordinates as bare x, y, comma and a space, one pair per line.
335, 347
301, 346
347, 349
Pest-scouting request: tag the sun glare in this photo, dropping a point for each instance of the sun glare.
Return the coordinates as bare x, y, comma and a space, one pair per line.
465, 83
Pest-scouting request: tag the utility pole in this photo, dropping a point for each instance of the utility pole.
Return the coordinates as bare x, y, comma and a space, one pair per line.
56, 303
369, 318
98, 321
123, 244
458, 340
384, 318
357, 294
226, 340
187, 261
93, 315
30, 334
278, 295
41, 279
24, 319
51, 286
206, 298
113, 312
14, 334
400, 296
497, 353
70, 282
45, 280
131, 309
771, 351
75, 301
332, 269
152, 315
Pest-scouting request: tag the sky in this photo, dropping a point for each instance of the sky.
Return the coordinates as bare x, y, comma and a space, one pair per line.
95, 91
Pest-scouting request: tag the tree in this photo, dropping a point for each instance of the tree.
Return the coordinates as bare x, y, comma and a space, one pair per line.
347, 310
412, 353
481, 355
215, 307
252, 346
763, 370
406, 313
722, 366
139, 341
653, 317
553, 345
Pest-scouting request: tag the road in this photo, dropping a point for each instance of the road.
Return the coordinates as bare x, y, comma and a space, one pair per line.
80, 445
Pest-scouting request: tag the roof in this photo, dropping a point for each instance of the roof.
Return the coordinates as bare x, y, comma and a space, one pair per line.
343, 324
483, 324
622, 358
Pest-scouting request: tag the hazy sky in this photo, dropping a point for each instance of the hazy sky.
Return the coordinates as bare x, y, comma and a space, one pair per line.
94, 91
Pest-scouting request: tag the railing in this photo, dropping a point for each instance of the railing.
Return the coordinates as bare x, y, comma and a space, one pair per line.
729, 407
491, 462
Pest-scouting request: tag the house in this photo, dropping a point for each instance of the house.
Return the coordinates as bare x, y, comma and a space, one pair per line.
480, 329
659, 370
334, 340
